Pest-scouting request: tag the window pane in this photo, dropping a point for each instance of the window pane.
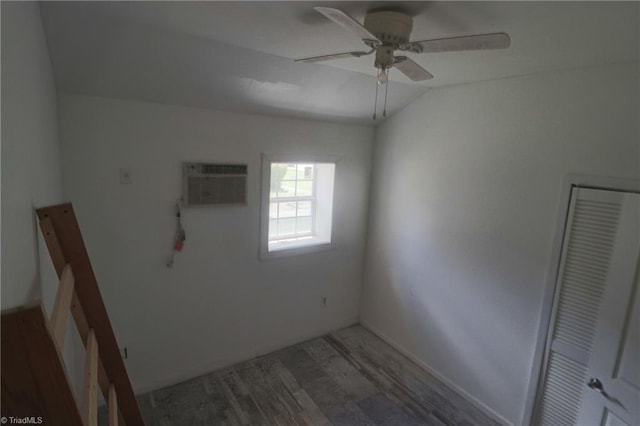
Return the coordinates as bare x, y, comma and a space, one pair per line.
305, 171
291, 171
278, 170
287, 188
303, 225
305, 188
287, 209
273, 211
304, 208
287, 226
273, 228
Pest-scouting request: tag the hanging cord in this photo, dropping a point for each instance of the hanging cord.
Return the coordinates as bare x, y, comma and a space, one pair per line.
386, 90
375, 102
179, 240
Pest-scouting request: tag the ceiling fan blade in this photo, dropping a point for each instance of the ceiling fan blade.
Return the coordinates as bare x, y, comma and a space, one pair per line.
412, 70
456, 44
347, 22
332, 56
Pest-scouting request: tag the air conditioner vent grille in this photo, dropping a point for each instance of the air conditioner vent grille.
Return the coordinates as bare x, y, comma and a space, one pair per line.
214, 184
224, 169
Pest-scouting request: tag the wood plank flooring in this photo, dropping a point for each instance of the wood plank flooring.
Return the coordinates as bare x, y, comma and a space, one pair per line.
350, 377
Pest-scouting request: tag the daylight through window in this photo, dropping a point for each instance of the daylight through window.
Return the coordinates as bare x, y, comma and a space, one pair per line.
291, 201
300, 204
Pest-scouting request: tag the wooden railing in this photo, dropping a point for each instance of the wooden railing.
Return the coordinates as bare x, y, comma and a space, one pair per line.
35, 382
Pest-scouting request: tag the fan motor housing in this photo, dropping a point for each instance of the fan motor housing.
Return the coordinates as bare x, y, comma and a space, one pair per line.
391, 28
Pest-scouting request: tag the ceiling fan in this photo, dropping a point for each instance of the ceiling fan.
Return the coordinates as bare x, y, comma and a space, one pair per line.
386, 32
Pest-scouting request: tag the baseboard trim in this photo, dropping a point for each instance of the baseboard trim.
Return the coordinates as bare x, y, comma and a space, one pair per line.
473, 400
207, 368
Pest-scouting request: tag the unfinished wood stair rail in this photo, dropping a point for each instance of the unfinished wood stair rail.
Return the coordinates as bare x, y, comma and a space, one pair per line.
64, 241
35, 382
29, 389
62, 305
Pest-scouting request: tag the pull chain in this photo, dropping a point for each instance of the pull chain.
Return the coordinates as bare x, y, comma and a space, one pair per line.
386, 90
375, 102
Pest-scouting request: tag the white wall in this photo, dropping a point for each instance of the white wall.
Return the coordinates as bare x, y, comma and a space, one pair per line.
466, 186
219, 304
31, 173
31, 165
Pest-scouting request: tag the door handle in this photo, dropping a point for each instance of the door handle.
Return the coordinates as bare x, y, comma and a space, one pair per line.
595, 384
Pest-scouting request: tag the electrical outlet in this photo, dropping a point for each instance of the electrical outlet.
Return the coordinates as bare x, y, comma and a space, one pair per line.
125, 176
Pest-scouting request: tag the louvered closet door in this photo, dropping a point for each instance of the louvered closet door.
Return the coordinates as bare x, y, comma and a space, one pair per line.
594, 246
612, 393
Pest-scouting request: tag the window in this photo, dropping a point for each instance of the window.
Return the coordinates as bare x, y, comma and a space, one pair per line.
297, 205
292, 201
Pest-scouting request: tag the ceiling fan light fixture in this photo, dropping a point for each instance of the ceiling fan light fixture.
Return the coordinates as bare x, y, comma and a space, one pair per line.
383, 75
385, 32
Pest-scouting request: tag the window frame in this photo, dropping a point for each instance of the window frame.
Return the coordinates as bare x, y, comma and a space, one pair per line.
297, 198
295, 248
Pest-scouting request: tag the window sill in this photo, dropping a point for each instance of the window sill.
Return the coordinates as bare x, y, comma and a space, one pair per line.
294, 248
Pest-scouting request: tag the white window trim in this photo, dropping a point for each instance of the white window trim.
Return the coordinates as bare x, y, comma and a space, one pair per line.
267, 159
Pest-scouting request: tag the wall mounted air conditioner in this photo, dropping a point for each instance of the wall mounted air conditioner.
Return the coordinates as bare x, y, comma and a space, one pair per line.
214, 184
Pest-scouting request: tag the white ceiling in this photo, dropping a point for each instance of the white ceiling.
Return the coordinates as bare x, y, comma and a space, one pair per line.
237, 55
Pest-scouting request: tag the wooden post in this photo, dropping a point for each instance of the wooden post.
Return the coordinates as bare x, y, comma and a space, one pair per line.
62, 306
90, 401
113, 406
